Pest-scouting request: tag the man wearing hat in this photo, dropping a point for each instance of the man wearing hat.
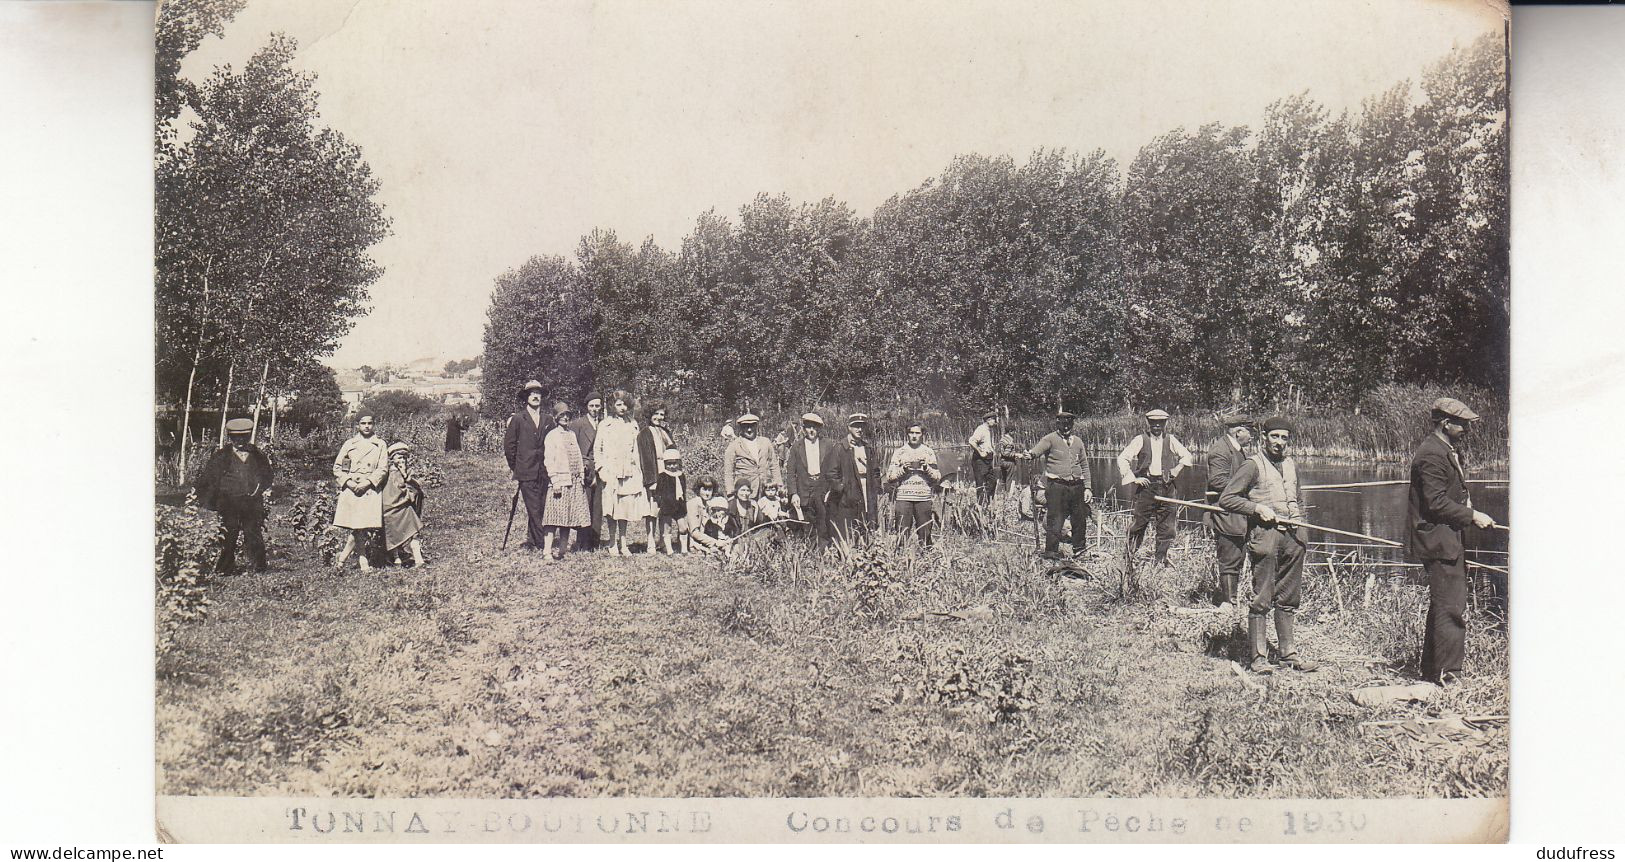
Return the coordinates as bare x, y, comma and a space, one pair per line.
1265, 489
749, 456
1440, 509
1069, 491
586, 431
1223, 456
233, 483
984, 452
1149, 466
524, 445
857, 505
813, 478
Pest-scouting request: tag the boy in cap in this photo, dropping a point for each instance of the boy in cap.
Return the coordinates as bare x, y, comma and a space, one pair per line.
1223, 456
1149, 466
402, 498
233, 483
1440, 509
1265, 489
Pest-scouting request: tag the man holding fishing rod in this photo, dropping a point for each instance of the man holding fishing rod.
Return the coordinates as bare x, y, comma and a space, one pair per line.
1265, 489
1221, 458
1440, 509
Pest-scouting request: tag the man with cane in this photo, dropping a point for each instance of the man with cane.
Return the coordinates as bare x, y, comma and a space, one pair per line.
1265, 489
1149, 465
1440, 509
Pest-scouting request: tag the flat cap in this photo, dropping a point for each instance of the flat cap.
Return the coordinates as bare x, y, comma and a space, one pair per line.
533, 384
748, 419
991, 413
1454, 409
858, 419
1279, 423
1231, 420
812, 419
1156, 415
397, 446
239, 426
1064, 414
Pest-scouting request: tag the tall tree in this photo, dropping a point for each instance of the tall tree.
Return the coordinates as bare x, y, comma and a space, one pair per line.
539, 326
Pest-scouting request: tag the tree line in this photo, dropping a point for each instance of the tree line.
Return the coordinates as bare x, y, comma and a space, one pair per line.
1315, 259
264, 219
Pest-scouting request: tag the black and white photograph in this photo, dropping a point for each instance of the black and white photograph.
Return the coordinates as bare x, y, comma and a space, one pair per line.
833, 421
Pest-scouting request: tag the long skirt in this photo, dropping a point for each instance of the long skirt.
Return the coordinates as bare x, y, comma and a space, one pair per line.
567, 507
401, 525
626, 500
365, 512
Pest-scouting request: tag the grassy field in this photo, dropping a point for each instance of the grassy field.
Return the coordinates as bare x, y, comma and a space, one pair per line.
970, 670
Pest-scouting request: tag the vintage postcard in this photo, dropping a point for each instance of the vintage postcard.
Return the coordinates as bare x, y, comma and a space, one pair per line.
832, 422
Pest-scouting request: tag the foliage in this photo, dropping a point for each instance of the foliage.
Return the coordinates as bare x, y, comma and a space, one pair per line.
1308, 262
392, 405
318, 402
187, 543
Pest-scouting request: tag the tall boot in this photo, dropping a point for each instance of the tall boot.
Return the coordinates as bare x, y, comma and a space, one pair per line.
1285, 622
1227, 589
1258, 636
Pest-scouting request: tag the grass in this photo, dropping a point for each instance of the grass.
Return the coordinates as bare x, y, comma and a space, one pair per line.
970, 670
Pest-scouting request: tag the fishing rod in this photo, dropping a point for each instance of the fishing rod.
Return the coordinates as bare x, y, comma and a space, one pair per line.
1385, 482
1285, 521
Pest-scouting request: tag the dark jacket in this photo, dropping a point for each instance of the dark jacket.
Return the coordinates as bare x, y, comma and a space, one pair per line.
586, 434
828, 484
1438, 504
852, 496
1221, 460
208, 481
523, 444
648, 457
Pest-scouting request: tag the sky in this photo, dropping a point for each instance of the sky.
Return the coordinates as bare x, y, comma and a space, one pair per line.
501, 130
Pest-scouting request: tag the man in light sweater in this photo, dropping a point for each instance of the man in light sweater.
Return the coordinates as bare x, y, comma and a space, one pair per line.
1068, 492
914, 469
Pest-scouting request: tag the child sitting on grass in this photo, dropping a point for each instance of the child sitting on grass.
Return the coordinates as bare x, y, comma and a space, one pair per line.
713, 534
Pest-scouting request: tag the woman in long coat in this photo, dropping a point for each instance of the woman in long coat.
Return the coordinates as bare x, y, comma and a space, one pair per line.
360, 470
615, 455
402, 498
566, 484
653, 441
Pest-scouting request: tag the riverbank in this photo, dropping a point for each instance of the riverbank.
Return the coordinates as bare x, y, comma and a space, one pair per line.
970, 670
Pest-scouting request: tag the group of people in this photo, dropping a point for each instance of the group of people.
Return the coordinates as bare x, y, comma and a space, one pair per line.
377, 495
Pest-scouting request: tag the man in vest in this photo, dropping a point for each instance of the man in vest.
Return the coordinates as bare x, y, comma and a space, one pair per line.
234, 483
1265, 489
813, 471
984, 456
1149, 465
1439, 510
1222, 457
1068, 493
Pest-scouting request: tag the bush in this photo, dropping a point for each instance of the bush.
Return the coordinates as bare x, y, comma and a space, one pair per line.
188, 541
395, 405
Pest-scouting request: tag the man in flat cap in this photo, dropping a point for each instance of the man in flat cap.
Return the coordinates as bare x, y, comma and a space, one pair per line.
1149, 465
1264, 488
523, 443
858, 509
586, 431
1440, 509
1068, 493
1222, 457
984, 456
813, 477
749, 456
233, 483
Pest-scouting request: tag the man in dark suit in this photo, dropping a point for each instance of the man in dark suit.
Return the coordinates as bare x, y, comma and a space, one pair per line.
522, 444
1222, 458
858, 509
233, 483
586, 431
814, 473
1440, 510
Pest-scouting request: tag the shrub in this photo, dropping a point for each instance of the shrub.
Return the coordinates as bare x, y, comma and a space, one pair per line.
187, 543
395, 404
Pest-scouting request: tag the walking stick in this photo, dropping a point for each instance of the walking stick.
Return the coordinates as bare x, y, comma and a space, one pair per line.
513, 509
1287, 522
